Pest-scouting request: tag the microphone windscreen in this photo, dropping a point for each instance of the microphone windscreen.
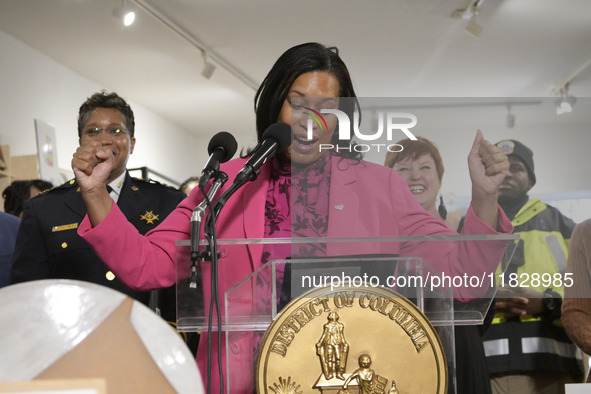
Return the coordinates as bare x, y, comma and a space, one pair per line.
280, 132
226, 141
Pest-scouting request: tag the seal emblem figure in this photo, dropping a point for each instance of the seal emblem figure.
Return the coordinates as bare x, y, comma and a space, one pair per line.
394, 345
332, 348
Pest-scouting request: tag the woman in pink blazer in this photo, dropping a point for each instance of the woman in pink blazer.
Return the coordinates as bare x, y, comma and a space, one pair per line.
303, 191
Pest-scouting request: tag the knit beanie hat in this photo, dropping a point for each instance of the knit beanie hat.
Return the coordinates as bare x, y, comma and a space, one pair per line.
516, 148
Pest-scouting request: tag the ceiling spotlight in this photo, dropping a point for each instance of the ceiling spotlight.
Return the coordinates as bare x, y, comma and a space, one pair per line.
565, 103
473, 27
510, 118
469, 13
208, 68
125, 13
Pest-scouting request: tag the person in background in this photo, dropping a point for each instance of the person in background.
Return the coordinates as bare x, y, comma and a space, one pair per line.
18, 192
576, 308
189, 184
8, 229
421, 166
324, 193
526, 347
48, 246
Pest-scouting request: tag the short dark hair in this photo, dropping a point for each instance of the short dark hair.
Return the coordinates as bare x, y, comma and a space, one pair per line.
41, 184
104, 99
294, 62
15, 196
18, 192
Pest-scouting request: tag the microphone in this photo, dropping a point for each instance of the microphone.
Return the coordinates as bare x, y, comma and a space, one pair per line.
277, 137
221, 148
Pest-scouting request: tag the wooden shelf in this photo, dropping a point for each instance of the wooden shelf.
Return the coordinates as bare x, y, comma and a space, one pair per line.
4, 157
14, 168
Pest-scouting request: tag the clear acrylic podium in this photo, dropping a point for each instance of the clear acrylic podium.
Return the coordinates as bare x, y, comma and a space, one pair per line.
461, 295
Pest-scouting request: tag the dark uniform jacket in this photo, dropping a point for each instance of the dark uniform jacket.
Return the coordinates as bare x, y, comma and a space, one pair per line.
48, 245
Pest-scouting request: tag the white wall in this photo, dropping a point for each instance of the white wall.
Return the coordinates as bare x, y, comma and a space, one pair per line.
560, 143
35, 86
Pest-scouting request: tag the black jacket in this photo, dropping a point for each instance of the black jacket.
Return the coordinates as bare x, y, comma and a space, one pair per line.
48, 245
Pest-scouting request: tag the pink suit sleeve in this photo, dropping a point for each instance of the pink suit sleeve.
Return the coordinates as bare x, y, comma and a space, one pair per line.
458, 258
141, 262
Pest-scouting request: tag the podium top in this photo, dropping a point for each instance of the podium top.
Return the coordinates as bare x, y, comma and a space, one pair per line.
326, 240
253, 302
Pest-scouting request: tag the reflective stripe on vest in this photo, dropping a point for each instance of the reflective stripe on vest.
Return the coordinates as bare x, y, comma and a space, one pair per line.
548, 345
500, 347
556, 249
496, 347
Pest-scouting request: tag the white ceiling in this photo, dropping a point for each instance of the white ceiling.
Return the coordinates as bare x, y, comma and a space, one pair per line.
392, 47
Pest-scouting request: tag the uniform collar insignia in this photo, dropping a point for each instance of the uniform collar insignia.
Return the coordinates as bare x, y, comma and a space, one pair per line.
149, 217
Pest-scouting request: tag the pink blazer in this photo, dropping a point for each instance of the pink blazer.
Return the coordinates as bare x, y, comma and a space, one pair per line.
366, 200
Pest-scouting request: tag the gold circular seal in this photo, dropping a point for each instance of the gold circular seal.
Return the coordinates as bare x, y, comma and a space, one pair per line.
351, 340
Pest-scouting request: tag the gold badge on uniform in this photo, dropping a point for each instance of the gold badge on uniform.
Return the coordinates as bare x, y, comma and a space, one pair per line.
351, 340
149, 217
64, 227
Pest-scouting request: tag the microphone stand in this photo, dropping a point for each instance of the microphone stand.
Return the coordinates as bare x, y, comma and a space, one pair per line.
242, 178
212, 254
198, 214
209, 253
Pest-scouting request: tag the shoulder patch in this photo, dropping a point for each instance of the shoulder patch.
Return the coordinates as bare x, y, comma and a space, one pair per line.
153, 182
66, 185
507, 146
